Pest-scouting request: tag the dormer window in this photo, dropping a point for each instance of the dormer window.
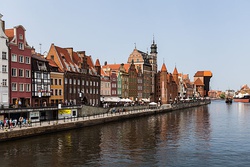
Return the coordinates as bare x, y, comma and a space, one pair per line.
21, 36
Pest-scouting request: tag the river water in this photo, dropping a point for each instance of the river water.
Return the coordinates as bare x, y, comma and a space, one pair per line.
214, 135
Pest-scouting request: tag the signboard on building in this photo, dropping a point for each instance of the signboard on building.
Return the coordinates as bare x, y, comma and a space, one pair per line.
35, 116
66, 113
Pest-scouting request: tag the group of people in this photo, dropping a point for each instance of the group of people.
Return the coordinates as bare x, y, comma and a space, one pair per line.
12, 123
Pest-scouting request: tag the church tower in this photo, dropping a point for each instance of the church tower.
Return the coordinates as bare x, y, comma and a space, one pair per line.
153, 62
153, 54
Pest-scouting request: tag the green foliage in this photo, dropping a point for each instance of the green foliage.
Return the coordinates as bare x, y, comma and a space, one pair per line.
222, 95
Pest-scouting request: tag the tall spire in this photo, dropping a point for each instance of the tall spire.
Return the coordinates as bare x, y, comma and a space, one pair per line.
153, 47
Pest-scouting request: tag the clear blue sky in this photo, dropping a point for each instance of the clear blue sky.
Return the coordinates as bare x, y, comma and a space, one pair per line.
191, 34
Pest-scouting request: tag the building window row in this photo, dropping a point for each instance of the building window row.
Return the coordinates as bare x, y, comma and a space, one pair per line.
20, 87
20, 72
20, 58
56, 92
87, 83
56, 81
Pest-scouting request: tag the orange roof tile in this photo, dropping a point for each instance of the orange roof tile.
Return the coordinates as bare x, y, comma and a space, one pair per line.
163, 68
208, 73
97, 63
126, 67
115, 67
198, 82
203, 74
52, 63
175, 71
76, 58
64, 53
103, 73
9, 33
90, 62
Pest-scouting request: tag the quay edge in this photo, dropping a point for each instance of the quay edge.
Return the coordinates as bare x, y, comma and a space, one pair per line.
19, 133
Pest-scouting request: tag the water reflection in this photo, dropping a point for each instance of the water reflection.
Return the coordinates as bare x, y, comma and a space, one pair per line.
191, 137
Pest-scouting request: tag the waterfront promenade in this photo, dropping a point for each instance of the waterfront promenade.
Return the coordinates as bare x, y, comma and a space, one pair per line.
44, 127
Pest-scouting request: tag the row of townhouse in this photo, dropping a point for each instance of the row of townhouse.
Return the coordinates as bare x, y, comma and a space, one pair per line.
139, 80
70, 77
29, 79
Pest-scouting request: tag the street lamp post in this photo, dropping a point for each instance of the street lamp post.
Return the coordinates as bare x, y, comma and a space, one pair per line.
80, 95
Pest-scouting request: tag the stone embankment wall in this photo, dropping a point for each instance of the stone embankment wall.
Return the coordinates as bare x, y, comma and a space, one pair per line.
85, 120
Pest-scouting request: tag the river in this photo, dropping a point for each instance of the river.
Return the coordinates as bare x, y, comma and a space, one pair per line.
217, 134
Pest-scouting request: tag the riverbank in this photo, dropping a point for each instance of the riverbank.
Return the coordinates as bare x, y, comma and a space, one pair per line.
46, 127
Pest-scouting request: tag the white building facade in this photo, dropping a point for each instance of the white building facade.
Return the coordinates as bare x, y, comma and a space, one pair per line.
4, 62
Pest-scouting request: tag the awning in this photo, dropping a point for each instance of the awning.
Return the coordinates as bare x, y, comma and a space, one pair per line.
111, 99
126, 100
152, 103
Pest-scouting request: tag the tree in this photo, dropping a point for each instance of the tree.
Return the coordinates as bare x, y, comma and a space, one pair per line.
222, 95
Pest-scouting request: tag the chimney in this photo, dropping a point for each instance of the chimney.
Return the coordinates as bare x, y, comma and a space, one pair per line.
2, 23
33, 51
105, 63
70, 51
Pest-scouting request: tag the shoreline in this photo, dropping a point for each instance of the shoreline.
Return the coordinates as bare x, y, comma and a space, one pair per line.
47, 127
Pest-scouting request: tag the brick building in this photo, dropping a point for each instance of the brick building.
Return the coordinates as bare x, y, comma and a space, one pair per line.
167, 86
81, 76
202, 82
19, 67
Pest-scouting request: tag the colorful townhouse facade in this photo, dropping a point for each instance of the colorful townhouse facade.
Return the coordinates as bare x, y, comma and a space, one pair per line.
4, 66
81, 76
19, 67
57, 84
70, 77
41, 80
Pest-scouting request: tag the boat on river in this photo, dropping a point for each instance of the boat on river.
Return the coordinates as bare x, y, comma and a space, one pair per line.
244, 99
229, 100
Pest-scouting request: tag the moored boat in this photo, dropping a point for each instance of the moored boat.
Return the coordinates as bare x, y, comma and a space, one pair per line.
244, 99
228, 100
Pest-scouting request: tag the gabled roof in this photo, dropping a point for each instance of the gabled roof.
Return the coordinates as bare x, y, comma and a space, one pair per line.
38, 57
10, 33
103, 73
97, 63
116, 67
67, 62
198, 82
52, 63
90, 62
163, 68
71, 61
76, 58
175, 71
